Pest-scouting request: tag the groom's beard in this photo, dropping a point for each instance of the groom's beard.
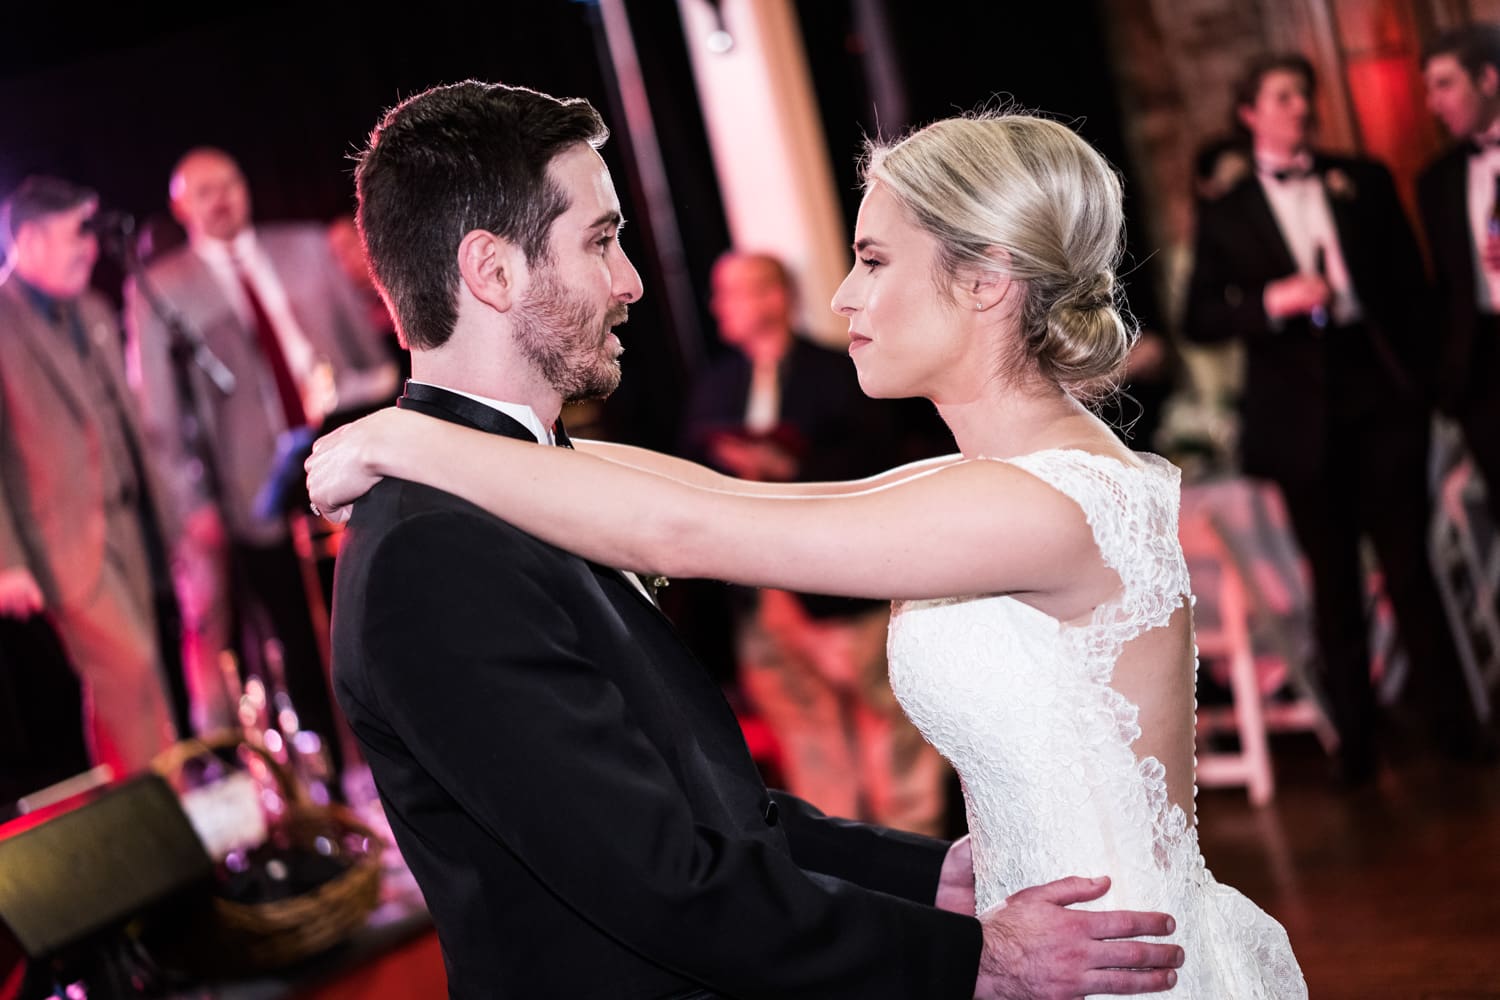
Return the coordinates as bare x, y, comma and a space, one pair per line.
568, 341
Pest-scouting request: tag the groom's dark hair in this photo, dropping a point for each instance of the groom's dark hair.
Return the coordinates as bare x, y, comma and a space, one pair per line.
451, 160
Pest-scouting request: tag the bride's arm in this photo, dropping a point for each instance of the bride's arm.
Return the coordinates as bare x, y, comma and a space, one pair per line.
972, 527
694, 474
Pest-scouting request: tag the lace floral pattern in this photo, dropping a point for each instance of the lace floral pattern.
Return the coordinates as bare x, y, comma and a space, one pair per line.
1022, 706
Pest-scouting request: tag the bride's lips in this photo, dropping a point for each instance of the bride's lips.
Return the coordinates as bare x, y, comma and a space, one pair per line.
856, 341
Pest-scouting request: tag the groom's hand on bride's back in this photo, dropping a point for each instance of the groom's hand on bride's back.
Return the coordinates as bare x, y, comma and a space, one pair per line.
1035, 948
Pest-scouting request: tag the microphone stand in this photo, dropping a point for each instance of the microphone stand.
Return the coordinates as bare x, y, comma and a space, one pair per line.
187, 349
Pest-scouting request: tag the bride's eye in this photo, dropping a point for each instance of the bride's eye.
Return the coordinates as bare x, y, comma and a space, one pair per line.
870, 263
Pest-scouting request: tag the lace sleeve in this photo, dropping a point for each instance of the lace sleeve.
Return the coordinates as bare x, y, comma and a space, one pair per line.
1132, 512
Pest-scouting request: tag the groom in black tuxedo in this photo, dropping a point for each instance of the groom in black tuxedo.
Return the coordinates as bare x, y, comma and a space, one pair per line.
567, 784
1311, 263
1457, 196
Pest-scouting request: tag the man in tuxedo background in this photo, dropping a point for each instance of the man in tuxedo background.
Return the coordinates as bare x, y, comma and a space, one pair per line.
1457, 194
83, 530
1311, 262
566, 782
272, 305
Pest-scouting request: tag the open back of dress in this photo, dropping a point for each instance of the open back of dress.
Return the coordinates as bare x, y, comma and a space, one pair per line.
1074, 740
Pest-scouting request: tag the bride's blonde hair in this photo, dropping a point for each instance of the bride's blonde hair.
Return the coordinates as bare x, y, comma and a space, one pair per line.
1032, 189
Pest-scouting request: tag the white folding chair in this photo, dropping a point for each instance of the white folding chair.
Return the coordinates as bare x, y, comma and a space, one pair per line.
1253, 613
1465, 552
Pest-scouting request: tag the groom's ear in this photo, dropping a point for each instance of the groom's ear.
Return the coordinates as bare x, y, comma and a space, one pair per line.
492, 268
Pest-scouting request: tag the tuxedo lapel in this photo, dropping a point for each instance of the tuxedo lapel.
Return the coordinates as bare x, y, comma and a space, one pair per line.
52, 353
1346, 227
1455, 218
458, 409
455, 408
1261, 222
201, 302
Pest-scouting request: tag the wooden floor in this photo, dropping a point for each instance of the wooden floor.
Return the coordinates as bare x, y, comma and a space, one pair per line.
1390, 892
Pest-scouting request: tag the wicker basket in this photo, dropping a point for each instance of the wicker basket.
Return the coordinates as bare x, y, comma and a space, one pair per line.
262, 937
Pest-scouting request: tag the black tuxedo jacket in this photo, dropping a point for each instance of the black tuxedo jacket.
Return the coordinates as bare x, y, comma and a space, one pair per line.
1298, 379
1443, 200
573, 793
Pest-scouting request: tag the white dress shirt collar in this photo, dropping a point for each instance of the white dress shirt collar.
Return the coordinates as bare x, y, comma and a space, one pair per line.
1483, 170
519, 412
224, 253
1270, 164
1302, 212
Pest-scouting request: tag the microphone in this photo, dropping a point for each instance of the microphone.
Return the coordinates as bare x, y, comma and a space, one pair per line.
1319, 314
115, 229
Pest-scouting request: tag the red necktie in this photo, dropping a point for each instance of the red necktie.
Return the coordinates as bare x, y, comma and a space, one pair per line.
270, 349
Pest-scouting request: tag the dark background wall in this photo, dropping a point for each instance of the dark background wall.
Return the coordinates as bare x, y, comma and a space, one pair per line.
112, 101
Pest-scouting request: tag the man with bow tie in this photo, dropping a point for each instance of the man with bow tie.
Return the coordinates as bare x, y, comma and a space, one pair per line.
1311, 263
1457, 197
82, 535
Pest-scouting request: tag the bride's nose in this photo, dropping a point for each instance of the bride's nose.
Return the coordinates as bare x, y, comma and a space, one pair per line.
843, 298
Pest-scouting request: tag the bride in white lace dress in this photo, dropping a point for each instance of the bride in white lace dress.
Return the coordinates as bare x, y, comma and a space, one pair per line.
1042, 635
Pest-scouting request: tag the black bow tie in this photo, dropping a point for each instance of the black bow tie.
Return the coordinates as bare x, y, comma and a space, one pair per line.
1301, 167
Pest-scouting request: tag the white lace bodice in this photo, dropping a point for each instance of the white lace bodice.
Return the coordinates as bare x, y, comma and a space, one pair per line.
1023, 706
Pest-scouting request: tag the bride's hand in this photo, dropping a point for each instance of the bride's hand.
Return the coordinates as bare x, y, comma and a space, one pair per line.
341, 468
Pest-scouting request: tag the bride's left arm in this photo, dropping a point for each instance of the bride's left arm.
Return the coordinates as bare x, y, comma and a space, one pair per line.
701, 475
969, 528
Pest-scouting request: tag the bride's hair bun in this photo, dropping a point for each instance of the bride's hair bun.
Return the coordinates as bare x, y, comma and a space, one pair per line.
1026, 197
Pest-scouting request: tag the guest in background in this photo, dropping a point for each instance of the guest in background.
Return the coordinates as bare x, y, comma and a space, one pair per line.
778, 408
272, 305
1459, 198
349, 250
1312, 264
83, 536
1151, 370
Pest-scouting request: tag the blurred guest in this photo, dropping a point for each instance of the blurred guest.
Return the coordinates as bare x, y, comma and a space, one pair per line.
778, 408
271, 304
1135, 411
1312, 264
1151, 369
349, 250
1459, 198
82, 532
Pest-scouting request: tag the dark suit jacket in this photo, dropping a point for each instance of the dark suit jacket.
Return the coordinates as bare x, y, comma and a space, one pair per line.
574, 795
1443, 200
1299, 381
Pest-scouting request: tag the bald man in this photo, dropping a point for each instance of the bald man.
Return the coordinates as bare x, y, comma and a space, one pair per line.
273, 306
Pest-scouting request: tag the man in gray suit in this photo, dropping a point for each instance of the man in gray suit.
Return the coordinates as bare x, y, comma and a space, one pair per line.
81, 533
270, 303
